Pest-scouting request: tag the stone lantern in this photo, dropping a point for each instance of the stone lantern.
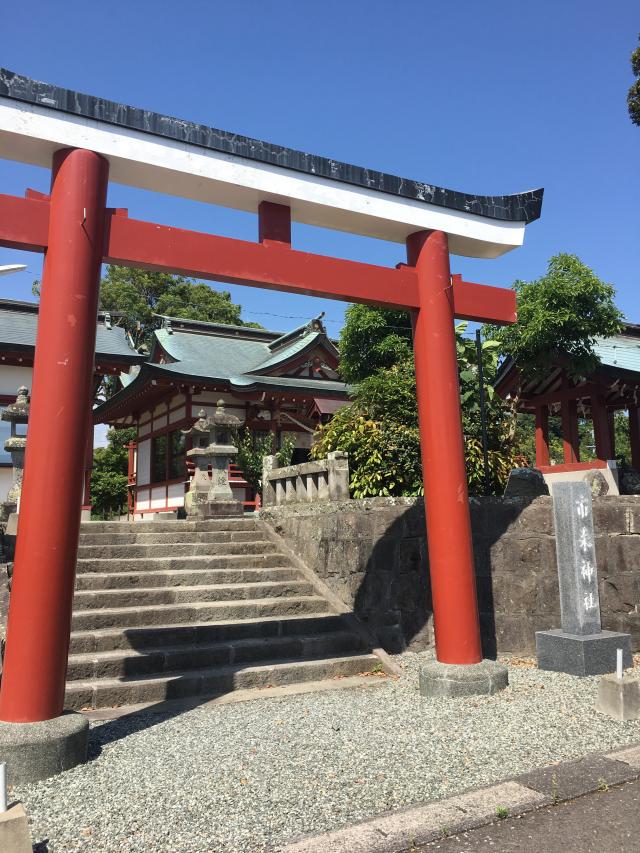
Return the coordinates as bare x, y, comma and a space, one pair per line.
212, 446
16, 413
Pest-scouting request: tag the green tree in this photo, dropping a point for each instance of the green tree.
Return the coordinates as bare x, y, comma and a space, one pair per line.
372, 339
139, 294
379, 430
559, 317
109, 474
633, 97
251, 450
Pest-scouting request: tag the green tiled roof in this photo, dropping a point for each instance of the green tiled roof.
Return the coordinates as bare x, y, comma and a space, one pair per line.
19, 323
242, 358
214, 351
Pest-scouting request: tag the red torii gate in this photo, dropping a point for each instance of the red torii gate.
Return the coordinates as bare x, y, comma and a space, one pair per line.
77, 232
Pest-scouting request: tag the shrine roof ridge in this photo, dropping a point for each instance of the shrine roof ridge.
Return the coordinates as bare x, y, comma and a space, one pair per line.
516, 208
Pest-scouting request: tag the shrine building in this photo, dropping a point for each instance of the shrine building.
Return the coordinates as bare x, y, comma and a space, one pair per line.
18, 327
613, 386
285, 384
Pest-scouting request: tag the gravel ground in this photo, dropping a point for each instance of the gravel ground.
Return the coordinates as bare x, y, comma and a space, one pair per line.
250, 776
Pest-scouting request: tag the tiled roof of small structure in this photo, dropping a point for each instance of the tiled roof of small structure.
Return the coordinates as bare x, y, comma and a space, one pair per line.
19, 323
619, 357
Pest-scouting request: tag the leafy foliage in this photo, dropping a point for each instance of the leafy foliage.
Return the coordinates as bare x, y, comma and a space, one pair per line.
379, 430
559, 317
140, 294
373, 339
109, 474
384, 456
633, 98
251, 450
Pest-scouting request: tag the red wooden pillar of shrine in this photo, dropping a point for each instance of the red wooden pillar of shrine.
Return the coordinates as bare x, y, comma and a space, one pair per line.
542, 435
451, 565
604, 444
35, 664
570, 435
88, 465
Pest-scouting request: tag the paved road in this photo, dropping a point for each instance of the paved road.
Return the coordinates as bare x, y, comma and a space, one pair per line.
604, 822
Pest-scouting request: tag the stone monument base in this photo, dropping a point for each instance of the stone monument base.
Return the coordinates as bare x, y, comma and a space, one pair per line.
446, 680
581, 654
201, 509
34, 751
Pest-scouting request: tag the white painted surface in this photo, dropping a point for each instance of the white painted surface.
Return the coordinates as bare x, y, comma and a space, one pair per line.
176, 494
143, 469
31, 134
12, 377
158, 497
610, 474
144, 429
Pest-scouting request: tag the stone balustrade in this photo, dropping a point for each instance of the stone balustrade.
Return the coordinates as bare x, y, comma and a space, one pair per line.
311, 482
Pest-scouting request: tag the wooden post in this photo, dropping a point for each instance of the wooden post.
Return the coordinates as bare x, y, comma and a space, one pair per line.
542, 435
604, 447
570, 435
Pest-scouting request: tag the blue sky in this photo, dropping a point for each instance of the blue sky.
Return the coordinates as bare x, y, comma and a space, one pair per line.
493, 97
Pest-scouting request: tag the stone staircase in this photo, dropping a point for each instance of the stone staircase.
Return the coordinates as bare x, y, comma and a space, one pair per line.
173, 609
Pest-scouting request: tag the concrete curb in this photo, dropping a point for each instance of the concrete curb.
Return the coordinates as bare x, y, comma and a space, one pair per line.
405, 829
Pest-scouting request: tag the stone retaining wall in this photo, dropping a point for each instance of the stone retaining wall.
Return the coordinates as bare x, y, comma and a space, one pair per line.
372, 553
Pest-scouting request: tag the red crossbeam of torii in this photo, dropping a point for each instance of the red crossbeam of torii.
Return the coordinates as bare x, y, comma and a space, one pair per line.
78, 233
270, 263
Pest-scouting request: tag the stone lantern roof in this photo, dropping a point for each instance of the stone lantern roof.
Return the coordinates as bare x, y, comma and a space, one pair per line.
18, 412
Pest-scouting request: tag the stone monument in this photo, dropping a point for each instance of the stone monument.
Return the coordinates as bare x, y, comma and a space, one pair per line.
16, 413
212, 447
580, 647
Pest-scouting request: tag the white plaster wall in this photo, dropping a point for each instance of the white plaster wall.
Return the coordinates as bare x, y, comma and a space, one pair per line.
12, 377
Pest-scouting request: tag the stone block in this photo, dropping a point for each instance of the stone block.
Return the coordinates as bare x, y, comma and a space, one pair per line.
619, 697
14, 830
609, 516
513, 634
581, 654
525, 483
447, 681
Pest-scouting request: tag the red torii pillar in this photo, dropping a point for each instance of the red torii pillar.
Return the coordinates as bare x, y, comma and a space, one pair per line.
451, 565
33, 680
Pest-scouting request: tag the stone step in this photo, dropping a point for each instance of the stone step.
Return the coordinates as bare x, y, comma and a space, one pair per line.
168, 526
132, 662
177, 564
212, 681
151, 596
210, 611
133, 538
183, 549
183, 577
156, 636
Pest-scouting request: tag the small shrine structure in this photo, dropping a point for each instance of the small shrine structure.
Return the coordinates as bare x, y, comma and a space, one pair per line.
613, 386
279, 383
